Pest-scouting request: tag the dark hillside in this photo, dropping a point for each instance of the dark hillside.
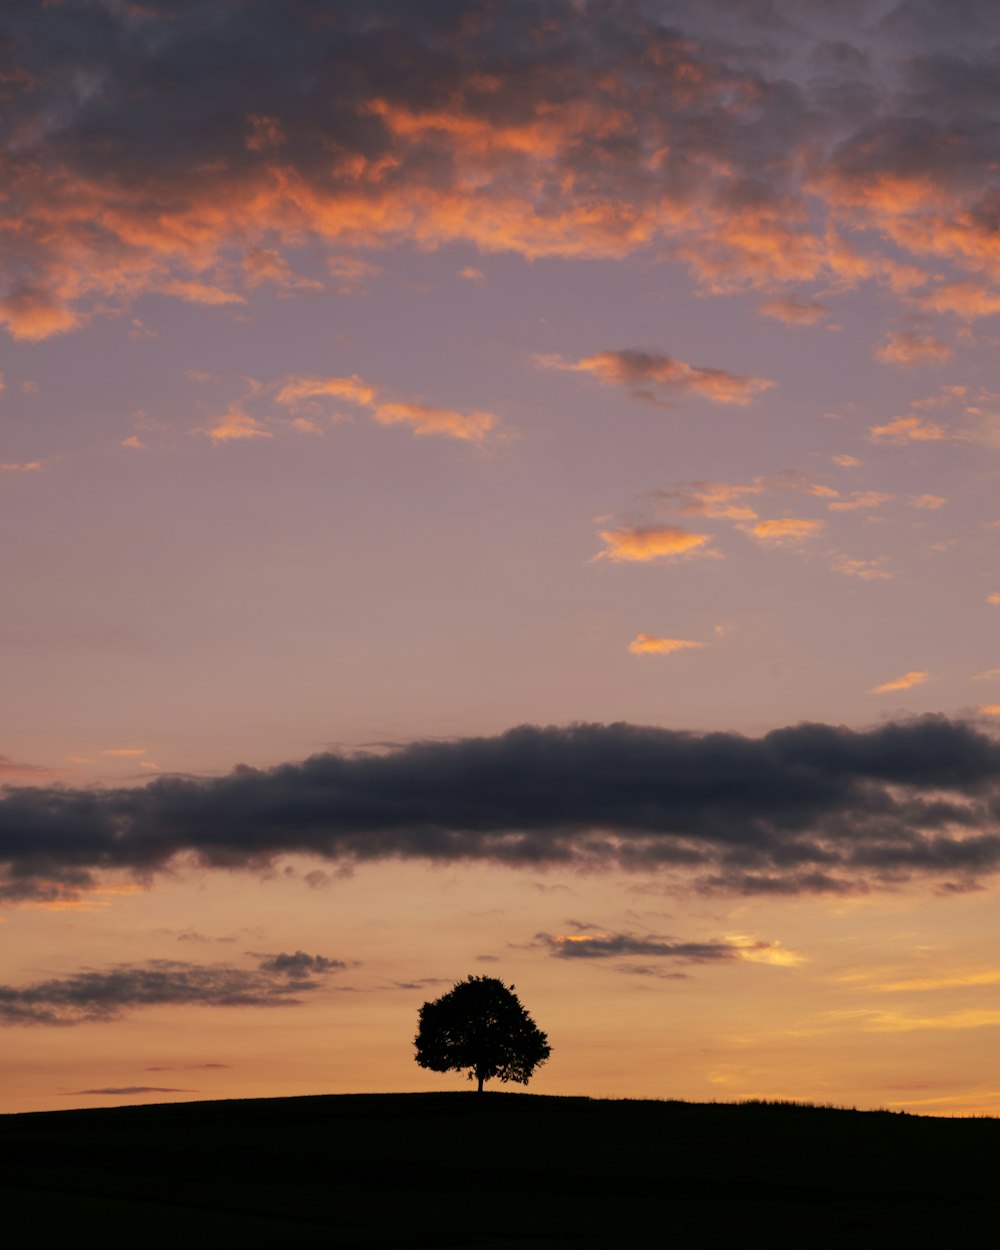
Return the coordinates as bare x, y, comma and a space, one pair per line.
497, 1170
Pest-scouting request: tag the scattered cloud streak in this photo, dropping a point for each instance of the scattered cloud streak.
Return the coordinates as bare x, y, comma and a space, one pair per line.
913, 347
93, 995
652, 644
421, 418
864, 570
784, 531
650, 374
130, 1090
795, 312
604, 945
908, 680
908, 430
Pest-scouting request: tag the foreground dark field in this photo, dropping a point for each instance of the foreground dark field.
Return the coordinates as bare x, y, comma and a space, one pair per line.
490, 1171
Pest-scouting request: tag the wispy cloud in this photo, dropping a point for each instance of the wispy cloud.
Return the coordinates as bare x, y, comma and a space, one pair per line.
235, 425
301, 387
795, 312
907, 430
123, 1091
783, 531
647, 373
14, 768
865, 570
904, 1022
913, 347
423, 419
652, 644
916, 677
861, 501
201, 293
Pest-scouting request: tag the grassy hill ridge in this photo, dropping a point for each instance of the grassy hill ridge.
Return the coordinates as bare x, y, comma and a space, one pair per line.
496, 1171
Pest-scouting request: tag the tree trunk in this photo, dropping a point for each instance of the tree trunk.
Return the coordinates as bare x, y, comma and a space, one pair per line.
480, 1079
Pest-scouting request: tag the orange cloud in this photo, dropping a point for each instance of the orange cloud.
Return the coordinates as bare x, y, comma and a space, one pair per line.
235, 425
862, 501
124, 751
759, 952
354, 389
846, 462
85, 899
967, 299
908, 680
641, 370
994, 598
989, 709
27, 466
651, 644
201, 293
912, 347
350, 273
426, 419
645, 544
865, 570
783, 530
264, 264
724, 499
907, 430
792, 312
305, 425
423, 419
32, 314
929, 503
712, 499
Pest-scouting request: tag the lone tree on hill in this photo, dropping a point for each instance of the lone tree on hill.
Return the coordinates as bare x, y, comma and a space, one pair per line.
481, 1025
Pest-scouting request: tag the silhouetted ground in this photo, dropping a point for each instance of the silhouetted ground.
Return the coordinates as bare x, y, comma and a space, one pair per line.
493, 1171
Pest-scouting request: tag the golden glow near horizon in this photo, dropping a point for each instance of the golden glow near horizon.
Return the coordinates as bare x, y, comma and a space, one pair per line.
528, 508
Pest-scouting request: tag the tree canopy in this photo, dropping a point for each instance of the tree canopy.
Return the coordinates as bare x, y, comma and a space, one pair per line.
480, 1025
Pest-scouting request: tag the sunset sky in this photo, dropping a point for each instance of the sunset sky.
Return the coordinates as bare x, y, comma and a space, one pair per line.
500, 488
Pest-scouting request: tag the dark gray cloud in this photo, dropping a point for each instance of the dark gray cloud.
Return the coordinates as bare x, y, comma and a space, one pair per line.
810, 808
134, 1089
105, 994
185, 1067
610, 945
421, 983
299, 964
174, 145
651, 970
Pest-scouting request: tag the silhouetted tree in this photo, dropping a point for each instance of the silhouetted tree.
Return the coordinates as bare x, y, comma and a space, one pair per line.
481, 1025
